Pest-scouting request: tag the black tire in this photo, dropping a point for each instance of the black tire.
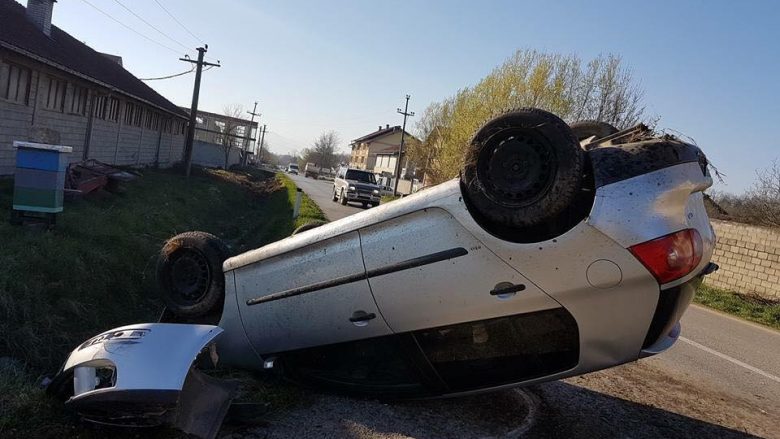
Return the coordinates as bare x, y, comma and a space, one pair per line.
308, 226
189, 272
343, 198
365, 205
335, 195
589, 128
523, 168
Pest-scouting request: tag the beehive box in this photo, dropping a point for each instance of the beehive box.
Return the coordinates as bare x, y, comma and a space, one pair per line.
39, 179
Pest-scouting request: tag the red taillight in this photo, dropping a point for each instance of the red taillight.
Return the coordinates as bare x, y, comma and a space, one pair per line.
672, 256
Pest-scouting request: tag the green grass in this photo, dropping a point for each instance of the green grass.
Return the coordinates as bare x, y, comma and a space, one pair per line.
95, 271
309, 211
389, 198
751, 308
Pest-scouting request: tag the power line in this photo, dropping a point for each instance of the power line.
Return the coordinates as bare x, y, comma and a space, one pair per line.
131, 29
178, 22
170, 76
151, 25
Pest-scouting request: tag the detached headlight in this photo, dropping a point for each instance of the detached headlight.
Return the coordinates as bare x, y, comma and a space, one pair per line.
352, 188
376, 192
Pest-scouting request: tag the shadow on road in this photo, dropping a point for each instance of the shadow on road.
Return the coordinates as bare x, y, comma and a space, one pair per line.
571, 411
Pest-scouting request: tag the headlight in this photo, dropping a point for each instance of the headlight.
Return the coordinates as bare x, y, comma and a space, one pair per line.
352, 188
376, 192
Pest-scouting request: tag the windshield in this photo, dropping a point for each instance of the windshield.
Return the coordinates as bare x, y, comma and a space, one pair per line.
361, 176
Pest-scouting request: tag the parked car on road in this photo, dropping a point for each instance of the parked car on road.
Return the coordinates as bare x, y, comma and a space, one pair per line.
356, 185
292, 168
550, 256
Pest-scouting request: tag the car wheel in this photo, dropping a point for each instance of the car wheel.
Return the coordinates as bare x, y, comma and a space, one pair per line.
335, 195
592, 128
343, 198
523, 168
308, 226
189, 272
365, 205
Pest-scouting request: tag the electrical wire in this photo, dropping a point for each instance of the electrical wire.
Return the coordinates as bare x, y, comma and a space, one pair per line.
151, 25
131, 29
169, 76
178, 22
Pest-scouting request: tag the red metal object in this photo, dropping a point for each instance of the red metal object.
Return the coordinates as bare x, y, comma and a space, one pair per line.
88, 176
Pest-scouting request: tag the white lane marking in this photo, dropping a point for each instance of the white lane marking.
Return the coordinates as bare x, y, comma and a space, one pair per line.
731, 359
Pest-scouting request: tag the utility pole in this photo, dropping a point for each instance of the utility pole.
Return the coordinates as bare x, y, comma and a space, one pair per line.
406, 114
194, 107
262, 138
249, 131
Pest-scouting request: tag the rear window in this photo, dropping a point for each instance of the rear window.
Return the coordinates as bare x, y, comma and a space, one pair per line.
361, 176
293, 166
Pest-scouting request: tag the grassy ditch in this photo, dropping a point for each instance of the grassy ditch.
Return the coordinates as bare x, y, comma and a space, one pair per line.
753, 308
96, 270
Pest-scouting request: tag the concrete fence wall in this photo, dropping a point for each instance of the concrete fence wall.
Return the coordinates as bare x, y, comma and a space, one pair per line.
749, 259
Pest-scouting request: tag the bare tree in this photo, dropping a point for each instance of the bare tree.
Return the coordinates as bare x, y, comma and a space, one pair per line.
232, 130
323, 151
765, 196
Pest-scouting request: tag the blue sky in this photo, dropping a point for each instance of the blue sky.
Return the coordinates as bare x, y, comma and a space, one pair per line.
710, 69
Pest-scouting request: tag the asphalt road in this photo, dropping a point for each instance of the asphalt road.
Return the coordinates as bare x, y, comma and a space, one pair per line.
721, 379
321, 191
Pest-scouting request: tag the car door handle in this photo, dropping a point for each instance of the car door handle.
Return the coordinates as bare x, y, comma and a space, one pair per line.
361, 318
505, 290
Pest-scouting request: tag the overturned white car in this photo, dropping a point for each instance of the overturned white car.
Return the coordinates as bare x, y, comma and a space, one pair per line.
559, 251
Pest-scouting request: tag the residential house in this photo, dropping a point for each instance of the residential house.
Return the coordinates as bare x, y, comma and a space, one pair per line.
378, 152
365, 149
51, 80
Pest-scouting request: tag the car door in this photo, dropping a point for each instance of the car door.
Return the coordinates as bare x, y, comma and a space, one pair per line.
325, 297
477, 320
427, 270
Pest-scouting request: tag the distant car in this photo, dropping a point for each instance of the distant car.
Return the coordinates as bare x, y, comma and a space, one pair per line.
551, 256
311, 170
292, 168
356, 185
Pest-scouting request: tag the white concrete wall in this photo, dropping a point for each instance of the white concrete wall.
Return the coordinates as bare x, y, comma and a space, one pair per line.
110, 142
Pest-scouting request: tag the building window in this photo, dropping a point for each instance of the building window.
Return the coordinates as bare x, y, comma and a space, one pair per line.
55, 96
138, 116
155, 125
112, 112
99, 107
129, 111
17, 86
78, 101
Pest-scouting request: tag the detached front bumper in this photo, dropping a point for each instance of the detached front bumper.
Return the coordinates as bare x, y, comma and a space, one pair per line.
141, 375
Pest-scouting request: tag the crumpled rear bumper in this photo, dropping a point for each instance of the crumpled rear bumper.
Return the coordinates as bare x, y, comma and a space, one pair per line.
141, 375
